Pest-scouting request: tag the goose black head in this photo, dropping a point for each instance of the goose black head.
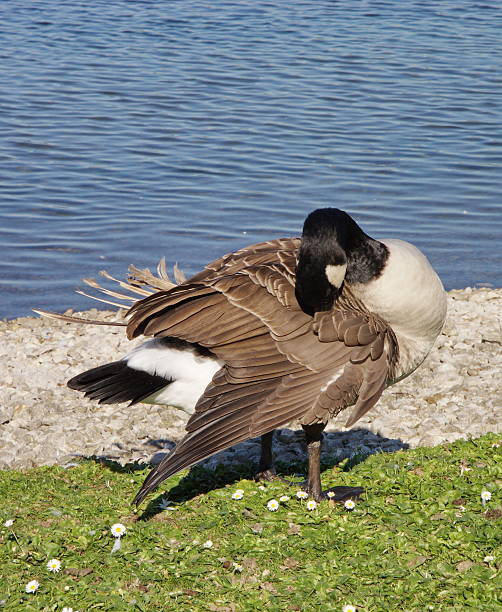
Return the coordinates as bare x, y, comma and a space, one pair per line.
334, 250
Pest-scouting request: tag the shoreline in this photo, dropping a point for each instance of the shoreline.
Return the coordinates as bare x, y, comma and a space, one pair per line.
456, 393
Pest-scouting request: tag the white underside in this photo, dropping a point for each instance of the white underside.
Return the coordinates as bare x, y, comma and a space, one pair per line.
190, 372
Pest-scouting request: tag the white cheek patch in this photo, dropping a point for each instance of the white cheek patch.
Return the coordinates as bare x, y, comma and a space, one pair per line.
336, 274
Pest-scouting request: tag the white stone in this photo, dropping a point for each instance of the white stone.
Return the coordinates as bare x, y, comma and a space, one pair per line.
45, 422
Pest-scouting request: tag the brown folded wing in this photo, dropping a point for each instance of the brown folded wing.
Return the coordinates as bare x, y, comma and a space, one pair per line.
280, 364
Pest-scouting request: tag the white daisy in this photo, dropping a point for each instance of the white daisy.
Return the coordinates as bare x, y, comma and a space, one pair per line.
239, 494
54, 565
9, 523
208, 544
32, 586
237, 567
262, 488
330, 494
273, 505
165, 504
283, 498
350, 505
302, 494
118, 530
66, 609
349, 608
485, 496
311, 505
489, 558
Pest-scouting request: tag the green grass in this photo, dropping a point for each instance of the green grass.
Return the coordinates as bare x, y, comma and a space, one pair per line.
408, 545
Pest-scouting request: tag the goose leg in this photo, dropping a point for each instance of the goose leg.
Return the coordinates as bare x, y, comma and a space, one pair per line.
266, 468
313, 436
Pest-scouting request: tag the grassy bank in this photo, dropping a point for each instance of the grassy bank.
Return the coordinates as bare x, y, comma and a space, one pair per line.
419, 539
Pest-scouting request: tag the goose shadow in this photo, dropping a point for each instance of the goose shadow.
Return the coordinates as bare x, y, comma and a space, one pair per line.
240, 461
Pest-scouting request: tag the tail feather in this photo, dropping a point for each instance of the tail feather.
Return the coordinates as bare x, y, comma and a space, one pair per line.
139, 282
116, 382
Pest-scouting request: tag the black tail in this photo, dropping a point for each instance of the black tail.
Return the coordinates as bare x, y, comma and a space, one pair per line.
116, 382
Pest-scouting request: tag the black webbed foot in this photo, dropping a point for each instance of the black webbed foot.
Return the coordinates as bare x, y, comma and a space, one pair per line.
269, 475
342, 493
339, 494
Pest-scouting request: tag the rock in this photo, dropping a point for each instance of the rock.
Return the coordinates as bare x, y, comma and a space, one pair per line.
456, 393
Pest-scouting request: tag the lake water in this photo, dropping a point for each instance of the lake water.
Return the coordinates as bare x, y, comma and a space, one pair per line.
131, 130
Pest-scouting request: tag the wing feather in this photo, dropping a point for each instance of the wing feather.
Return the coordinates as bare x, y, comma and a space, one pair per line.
280, 364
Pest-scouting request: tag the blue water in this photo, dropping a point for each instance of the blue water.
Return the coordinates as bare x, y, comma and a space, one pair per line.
131, 130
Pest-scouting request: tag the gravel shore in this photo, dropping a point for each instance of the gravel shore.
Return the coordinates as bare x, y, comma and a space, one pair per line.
456, 393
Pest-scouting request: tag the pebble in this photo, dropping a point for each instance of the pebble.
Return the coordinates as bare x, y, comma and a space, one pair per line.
456, 393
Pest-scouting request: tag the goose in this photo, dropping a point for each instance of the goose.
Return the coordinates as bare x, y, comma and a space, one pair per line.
289, 330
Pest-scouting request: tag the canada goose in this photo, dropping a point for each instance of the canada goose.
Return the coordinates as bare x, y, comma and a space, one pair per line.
293, 329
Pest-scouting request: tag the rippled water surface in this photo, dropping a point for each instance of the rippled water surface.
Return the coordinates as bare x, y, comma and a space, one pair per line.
132, 130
